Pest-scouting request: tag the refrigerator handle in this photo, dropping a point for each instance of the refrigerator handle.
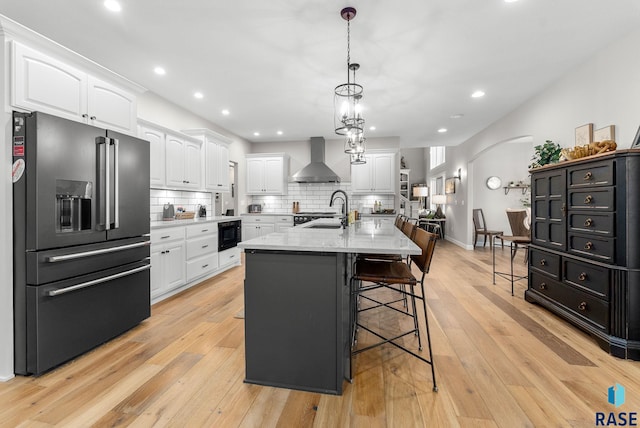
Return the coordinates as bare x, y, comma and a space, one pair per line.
116, 197
101, 198
107, 187
97, 281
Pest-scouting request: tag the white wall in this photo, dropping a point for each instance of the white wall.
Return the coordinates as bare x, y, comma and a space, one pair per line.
6, 226
603, 91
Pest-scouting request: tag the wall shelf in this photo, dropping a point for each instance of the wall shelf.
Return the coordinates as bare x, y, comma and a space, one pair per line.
524, 188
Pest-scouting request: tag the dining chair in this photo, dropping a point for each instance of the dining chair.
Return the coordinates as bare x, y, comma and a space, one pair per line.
480, 228
396, 276
521, 237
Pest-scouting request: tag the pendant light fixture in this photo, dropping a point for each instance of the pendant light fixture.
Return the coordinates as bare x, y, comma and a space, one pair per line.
348, 120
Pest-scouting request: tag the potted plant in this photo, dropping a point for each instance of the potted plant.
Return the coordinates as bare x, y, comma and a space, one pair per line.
544, 154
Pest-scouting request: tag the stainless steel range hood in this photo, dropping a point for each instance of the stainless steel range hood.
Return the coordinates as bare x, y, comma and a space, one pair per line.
317, 171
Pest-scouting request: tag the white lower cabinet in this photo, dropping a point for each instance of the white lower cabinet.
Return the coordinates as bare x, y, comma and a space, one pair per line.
202, 250
283, 222
183, 256
167, 260
254, 226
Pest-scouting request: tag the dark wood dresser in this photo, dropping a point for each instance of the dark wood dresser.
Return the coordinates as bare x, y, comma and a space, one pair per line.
584, 260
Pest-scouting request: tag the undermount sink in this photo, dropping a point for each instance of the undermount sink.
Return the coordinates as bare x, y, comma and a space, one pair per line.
324, 226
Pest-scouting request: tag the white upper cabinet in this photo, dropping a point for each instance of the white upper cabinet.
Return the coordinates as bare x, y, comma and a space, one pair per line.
109, 106
182, 162
267, 174
42, 83
216, 159
378, 175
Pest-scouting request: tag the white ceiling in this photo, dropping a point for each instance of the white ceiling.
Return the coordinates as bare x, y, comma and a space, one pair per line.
274, 63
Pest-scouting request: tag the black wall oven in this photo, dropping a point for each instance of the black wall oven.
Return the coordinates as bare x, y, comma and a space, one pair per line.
229, 234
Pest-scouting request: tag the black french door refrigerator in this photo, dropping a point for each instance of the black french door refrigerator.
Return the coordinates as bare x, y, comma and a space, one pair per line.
81, 238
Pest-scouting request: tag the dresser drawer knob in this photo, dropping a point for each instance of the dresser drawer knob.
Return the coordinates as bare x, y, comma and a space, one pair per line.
588, 222
582, 276
588, 175
588, 245
588, 199
543, 262
543, 286
582, 306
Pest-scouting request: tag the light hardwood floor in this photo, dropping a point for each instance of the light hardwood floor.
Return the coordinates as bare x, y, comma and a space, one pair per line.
500, 362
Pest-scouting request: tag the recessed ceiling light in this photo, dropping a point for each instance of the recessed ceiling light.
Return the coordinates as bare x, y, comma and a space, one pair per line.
225, 112
442, 130
477, 94
112, 5
160, 71
257, 134
279, 132
372, 128
510, 1
456, 116
198, 95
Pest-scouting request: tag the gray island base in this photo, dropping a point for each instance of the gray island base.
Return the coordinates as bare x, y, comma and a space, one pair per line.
297, 301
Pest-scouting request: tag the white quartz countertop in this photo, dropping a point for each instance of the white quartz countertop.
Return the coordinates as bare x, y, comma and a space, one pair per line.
369, 235
197, 220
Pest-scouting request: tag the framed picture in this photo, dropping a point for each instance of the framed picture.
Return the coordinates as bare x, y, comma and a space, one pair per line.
606, 133
450, 186
584, 134
636, 140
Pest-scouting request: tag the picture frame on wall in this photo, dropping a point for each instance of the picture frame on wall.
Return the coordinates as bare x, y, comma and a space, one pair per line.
636, 140
584, 134
450, 186
606, 133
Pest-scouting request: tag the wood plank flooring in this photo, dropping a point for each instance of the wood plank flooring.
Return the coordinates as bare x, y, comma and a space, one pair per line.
500, 362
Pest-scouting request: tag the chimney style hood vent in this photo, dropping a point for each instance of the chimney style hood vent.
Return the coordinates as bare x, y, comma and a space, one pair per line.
317, 171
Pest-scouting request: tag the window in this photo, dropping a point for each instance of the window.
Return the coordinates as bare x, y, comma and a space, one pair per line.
436, 156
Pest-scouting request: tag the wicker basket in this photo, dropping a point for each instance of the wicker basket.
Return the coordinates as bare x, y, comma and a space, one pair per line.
185, 215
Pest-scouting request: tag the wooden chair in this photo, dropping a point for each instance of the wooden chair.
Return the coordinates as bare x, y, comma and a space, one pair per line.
521, 237
480, 228
396, 276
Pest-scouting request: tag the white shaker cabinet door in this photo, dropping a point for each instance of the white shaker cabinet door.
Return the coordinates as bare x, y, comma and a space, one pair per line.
384, 176
157, 152
42, 83
223, 168
174, 160
110, 106
255, 176
192, 165
273, 170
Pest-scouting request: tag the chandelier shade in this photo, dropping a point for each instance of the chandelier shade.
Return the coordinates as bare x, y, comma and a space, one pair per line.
355, 143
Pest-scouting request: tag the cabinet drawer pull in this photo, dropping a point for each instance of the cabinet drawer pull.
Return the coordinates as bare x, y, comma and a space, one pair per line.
588, 199
232, 256
588, 222
204, 230
85, 115
165, 237
582, 276
582, 306
588, 176
205, 266
205, 246
588, 245
543, 286
543, 262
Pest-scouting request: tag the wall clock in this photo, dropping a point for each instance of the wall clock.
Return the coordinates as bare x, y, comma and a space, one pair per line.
494, 182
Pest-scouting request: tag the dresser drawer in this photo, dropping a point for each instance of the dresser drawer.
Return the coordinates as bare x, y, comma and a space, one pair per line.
579, 303
160, 236
202, 229
594, 174
545, 262
590, 278
598, 199
595, 247
197, 247
201, 266
597, 223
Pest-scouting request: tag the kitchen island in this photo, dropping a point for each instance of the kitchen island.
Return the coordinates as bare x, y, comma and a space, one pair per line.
297, 300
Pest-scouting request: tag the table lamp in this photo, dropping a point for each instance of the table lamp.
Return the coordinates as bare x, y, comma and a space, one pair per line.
421, 192
439, 200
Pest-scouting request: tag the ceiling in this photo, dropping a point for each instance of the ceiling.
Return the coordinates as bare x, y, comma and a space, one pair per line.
273, 64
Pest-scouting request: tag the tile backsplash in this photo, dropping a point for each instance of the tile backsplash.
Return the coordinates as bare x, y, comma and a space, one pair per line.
315, 197
188, 200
